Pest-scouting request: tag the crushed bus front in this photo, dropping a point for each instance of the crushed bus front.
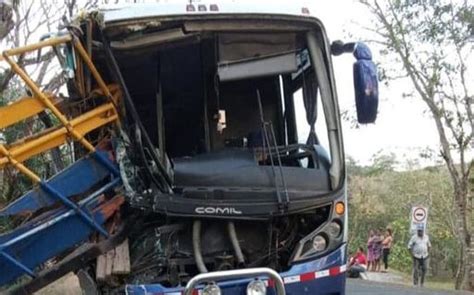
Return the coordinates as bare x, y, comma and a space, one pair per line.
206, 154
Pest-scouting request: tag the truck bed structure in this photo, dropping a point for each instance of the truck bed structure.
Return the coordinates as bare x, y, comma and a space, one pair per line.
74, 205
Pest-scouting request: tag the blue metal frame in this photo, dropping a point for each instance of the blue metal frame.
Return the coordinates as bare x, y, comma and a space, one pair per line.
71, 205
333, 284
74, 180
46, 236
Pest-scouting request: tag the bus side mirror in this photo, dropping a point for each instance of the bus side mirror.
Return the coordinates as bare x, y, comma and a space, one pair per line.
366, 85
365, 79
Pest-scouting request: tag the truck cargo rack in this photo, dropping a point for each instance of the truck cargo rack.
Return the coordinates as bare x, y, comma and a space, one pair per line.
25, 248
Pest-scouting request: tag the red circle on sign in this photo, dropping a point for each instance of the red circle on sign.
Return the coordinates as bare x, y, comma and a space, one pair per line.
419, 214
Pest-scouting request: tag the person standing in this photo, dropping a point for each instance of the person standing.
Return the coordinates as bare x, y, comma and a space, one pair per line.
377, 250
370, 249
386, 246
419, 247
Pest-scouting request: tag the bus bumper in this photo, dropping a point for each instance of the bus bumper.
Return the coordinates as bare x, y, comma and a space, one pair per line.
325, 275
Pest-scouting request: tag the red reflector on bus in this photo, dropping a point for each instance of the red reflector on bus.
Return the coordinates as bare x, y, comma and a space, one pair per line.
202, 7
214, 7
190, 8
305, 10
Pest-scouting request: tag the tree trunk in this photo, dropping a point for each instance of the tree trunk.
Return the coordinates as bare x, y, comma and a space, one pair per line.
471, 248
470, 285
6, 20
464, 278
466, 261
462, 275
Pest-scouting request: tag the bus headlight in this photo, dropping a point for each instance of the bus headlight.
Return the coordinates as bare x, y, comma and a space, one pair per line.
323, 240
319, 243
256, 287
211, 289
334, 229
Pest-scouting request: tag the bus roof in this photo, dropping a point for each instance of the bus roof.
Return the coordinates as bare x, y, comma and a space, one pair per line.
130, 11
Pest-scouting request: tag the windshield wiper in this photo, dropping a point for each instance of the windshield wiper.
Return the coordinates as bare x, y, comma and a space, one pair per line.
283, 206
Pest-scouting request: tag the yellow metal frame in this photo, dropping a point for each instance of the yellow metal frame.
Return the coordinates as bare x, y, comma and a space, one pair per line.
22, 109
83, 124
27, 107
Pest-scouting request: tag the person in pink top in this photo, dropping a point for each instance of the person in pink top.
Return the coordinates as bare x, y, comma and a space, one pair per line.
377, 250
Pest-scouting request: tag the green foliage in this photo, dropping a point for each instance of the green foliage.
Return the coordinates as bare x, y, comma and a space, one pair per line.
12, 183
382, 197
399, 254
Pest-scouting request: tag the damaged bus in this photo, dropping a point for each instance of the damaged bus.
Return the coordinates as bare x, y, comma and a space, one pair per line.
186, 124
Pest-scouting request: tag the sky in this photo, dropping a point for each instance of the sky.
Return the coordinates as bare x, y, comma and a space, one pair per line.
402, 127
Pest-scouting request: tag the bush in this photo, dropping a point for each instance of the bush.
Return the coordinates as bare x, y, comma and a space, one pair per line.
380, 198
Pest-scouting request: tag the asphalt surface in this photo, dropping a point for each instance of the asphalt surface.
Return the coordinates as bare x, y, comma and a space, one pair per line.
361, 287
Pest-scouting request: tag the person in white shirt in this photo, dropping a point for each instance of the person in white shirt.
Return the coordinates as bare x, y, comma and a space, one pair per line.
419, 247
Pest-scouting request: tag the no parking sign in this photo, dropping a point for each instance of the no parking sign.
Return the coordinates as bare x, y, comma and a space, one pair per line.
419, 218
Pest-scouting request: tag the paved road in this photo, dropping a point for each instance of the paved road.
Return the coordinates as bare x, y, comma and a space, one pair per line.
361, 287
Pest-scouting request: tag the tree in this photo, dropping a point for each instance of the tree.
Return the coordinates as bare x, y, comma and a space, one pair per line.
432, 41
6, 18
24, 22
384, 199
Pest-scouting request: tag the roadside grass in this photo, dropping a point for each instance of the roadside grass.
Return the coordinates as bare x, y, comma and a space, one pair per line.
438, 283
